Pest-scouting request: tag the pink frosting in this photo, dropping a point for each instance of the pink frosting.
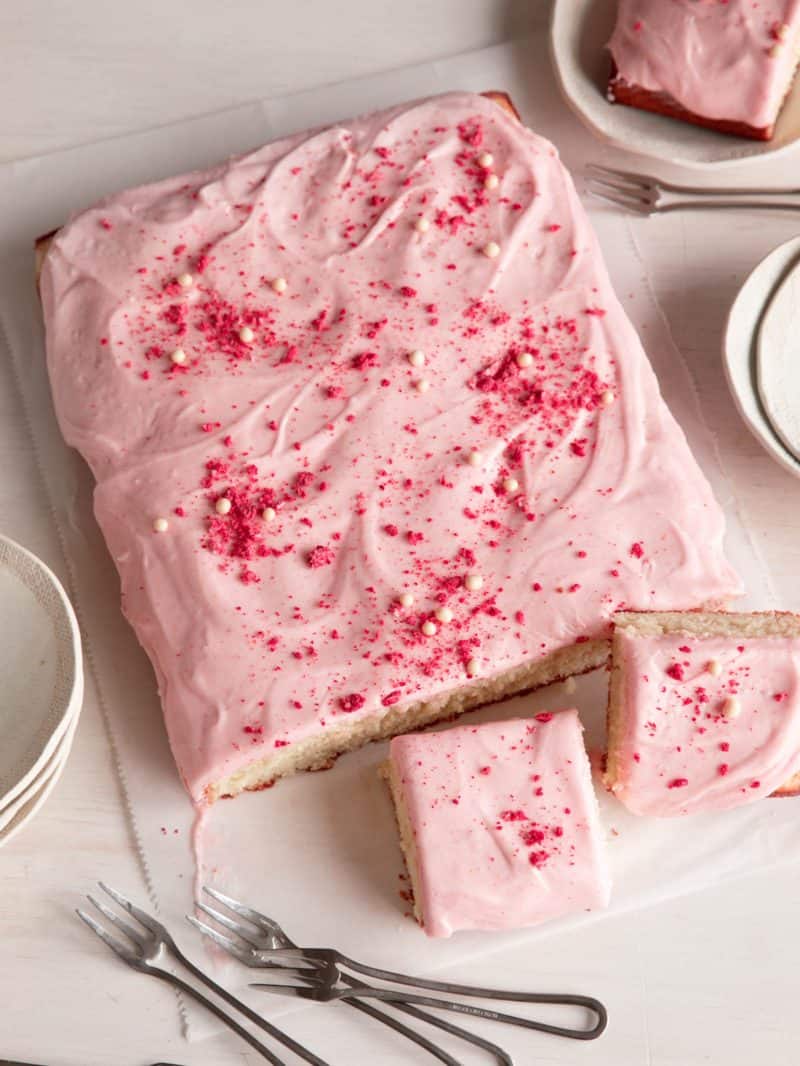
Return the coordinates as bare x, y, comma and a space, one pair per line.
723, 59
505, 823
681, 753
264, 633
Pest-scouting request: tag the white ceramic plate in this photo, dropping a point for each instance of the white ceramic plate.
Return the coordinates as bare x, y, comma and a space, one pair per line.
41, 670
740, 347
39, 792
579, 31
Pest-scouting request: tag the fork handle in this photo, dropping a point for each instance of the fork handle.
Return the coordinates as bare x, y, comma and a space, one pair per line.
190, 990
390, 995
248, 1012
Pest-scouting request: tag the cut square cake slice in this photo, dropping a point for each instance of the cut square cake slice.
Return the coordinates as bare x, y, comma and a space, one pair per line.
499, 823
374, 439
724, 64
704, 710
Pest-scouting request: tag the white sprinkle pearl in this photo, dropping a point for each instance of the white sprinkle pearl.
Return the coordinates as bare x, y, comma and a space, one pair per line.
422, 225
491, 182
485, 160
714, 667
422, 385
185, 281
429, 628
775, 51
472, 667
474, 458
405, 599
178, 357
246, 335
416, 358
731, 707
268, 514
511, 484
782, 31
279, 285
223, 505
491, 250
444, 614
607, 398
473, 582
524, 359
160, 525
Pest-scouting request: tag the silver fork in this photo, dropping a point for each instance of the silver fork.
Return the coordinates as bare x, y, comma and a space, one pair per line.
319, 971
645, 194
144, 945
263, 935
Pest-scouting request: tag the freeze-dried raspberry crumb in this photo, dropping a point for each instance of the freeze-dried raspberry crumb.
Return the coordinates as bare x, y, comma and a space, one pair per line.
637, 550
545, 716
320, 556
513, 816
722, 769
391, 698
675, 670
678, 782
353, 702
538, 858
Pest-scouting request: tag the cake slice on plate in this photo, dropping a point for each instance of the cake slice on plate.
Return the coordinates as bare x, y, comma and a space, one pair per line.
374, 439
704, 710
724, 64
499, 823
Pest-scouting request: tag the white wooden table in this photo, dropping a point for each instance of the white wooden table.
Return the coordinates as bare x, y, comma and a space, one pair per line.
706, 979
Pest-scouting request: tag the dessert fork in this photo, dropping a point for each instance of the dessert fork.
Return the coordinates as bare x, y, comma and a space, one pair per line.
141, 949
318, 976
645, 194
263, 934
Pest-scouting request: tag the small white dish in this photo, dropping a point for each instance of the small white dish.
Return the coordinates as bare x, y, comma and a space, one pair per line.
579, 30
740, 347
38, 795
777, 361
41, 669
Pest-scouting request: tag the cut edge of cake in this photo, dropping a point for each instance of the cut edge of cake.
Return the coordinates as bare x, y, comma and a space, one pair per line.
405, 832
698, 624
319, 751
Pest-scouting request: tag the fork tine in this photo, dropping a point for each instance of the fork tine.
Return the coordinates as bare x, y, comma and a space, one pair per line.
124, 952
645, 196
132, 934
133, 910
645, 181
286, 990
226, 942
622, 201
263, 921
228, 923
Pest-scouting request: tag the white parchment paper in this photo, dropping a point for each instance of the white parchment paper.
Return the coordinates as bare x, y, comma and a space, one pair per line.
319, 852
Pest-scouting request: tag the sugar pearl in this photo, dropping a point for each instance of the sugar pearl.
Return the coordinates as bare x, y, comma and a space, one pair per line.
405, 599
731, 707
422, 225
491, 182
485, 160
223, 505
524, 359
491, 250
416, 358
471, 667
160, 525
429, 628
246, 335
178, 357
268, 514
714, 667
782, 31
511, 484
185, 281
775, 51
607, 398
422, 385
444, 614
474, 458
473, 582
279, 285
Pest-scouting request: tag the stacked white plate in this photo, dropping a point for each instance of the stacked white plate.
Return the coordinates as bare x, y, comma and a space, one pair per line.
41, 684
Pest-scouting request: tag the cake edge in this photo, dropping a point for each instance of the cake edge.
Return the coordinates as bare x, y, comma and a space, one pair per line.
319, 751
693, 624
405, 832
620, 91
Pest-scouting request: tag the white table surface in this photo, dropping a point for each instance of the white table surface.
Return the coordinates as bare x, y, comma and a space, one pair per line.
707, 979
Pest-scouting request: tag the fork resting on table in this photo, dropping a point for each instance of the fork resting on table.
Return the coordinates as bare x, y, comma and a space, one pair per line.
645, 194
